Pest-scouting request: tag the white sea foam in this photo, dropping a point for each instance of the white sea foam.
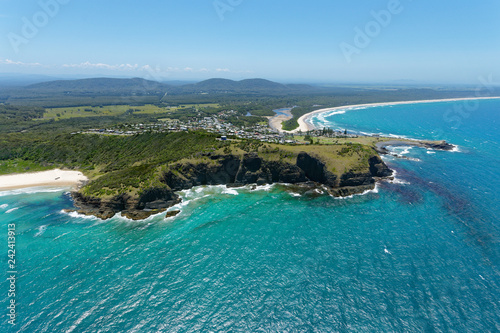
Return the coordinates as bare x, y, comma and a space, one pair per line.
41, 230
406, 150
4, 206
77, 215
456, 149
294, 194
122, 218
396, 180
188, 197
201, 192
266, 188
374, 190
11, 210
328, 114
401, 151
321, 116
370, 134
395, 136
183, 203
31, 190
230, 191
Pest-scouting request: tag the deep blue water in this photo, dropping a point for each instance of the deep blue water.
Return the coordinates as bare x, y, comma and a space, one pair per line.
420, 254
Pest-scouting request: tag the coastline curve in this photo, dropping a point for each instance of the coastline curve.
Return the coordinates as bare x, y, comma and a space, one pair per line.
306, 125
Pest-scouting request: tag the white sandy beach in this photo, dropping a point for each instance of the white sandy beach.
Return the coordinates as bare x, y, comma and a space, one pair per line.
305, 125
55, 177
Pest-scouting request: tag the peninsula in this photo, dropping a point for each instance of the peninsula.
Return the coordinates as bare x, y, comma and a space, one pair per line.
341, 169
136, 150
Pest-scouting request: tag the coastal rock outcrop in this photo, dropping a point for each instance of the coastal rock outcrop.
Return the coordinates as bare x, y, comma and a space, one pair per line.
442, 145
157, 198
381, 147
233, 171
102, 208
315, 170
378, 168
152, 201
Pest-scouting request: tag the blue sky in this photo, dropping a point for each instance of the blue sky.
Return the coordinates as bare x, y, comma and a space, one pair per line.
322, 40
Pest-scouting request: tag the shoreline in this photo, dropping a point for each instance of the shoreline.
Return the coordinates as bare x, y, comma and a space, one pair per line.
56, 177
305, 125
303, 169
275, 122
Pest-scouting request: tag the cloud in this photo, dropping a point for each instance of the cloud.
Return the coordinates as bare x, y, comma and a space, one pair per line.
87, 65
19, 63
150, 70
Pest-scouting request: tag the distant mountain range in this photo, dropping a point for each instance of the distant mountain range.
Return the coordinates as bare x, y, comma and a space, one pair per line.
138, 91
249, 86
100, 91
141, 87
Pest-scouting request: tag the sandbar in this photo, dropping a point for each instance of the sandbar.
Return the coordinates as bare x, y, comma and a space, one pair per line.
276, 122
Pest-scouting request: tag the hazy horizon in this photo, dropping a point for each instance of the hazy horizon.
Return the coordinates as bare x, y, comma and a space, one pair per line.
24, 79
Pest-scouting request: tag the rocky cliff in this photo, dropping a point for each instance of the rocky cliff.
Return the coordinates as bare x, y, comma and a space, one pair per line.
232, 170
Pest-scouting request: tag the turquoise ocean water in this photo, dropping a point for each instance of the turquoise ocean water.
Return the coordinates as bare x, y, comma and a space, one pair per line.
420, 254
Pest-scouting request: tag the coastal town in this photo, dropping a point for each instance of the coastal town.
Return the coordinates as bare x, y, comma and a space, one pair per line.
220, 125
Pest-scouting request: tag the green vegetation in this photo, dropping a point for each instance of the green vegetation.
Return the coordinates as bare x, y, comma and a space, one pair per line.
19, 166
117, 110
33, 138
130, 164
113, 162
338, 158
18, 118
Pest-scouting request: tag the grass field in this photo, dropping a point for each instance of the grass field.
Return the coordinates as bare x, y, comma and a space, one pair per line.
114, 110
364, 140
339, 158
